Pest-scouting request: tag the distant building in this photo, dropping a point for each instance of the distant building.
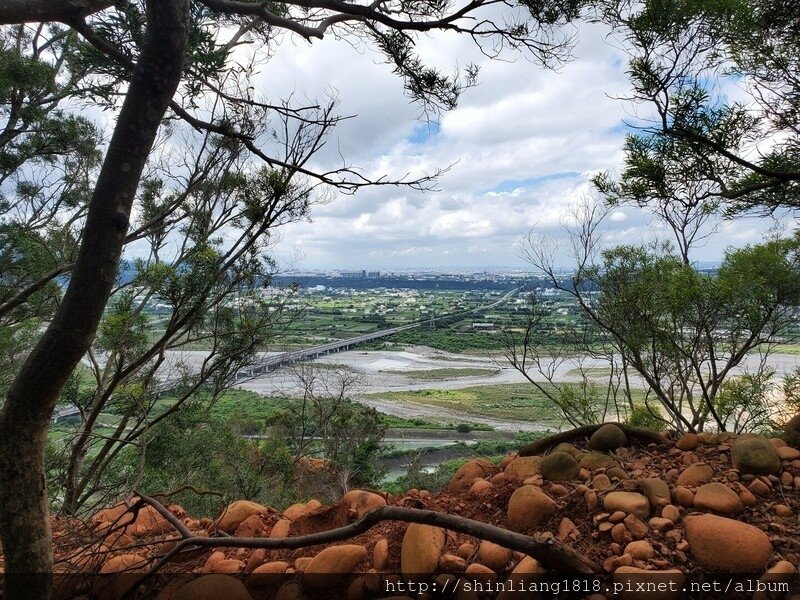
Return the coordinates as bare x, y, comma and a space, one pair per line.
373, 274
483, 326
354, 274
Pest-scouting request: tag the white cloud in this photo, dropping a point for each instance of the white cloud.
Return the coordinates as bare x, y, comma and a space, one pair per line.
521, 148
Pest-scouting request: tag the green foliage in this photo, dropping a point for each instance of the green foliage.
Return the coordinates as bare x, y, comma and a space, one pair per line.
677, 324
582, 401
124, 327
790, 386
682, 53
646, 417
189, 449
745, 403
419, 477
345, 433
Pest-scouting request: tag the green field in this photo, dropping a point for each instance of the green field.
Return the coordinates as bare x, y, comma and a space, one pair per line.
786, 349
593, 372
444, 373
509, 401
249, 406
517, 402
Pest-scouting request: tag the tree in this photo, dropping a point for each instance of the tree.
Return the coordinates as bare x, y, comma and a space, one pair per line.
146, 52
697, 150
323, 421
685, 56
541, 348
208, 455
683, 331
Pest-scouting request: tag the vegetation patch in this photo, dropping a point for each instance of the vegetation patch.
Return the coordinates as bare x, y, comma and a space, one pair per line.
444, 373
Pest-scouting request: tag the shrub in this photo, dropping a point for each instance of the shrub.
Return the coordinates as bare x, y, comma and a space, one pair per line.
646, 417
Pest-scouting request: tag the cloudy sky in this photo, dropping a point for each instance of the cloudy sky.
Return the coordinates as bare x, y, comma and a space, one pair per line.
522, 145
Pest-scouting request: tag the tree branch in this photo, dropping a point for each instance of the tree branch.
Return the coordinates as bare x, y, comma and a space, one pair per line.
547, 550
544, 444
33, 11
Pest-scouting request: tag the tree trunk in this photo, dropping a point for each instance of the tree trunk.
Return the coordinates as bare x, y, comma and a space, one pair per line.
31, 398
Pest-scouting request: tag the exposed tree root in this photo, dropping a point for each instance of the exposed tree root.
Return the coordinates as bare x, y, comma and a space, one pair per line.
633, 433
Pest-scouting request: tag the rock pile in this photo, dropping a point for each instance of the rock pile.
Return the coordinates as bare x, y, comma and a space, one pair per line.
704, 503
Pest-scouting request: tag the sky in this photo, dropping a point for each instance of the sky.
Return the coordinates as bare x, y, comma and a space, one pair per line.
521, 147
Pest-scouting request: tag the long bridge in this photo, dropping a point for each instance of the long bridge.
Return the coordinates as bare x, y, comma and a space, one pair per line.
277, 360
270, 363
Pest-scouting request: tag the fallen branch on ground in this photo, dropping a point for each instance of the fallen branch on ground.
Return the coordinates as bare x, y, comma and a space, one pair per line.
634, 433
551, 553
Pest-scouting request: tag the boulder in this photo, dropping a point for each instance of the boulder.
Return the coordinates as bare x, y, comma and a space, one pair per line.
380, 555
726, 545
295, 511
235, 514
596, 460
631, 503
480, 488
480, 574
281, 529
754, 455
289, 591
329, 566
608, 438
228, 566
671, 512
268, 574
421, 550
213, 587
117, 574
121, 519
568, 448
252, 526
791, 432
493, 556
507, 459
450, 563
782, 572
788, 453
617, 472
656, 490
640, 550
257, 558
528, 507
468, 473
718, 498
523, 467
635, 526
695, 475
465, 550
362, 501
527, 570
127, 563
689, 441
683, 496
601, 482
559, 466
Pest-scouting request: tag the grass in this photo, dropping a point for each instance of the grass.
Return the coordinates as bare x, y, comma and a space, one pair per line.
444, 373
249, 406
786, 349
394, 422
514, 402
519, 402
593, 372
